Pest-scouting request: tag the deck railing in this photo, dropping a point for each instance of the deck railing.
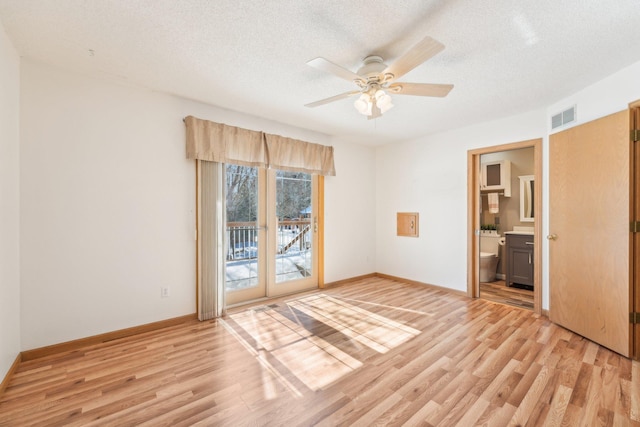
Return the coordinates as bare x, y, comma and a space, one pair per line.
242, 238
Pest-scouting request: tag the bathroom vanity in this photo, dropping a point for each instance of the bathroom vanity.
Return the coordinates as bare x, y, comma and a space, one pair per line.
519, 258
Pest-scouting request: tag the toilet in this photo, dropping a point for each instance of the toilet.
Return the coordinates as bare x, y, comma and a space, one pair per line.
489, 256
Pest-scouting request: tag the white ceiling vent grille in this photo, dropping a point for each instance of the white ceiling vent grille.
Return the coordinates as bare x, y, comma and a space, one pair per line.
563, 118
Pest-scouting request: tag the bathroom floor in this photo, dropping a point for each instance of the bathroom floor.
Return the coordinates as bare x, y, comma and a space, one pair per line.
498, 292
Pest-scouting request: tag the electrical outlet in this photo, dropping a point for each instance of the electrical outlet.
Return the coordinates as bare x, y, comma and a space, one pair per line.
164, 292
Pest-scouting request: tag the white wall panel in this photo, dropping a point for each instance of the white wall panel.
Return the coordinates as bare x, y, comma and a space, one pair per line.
108, 204
429, 176
9, 204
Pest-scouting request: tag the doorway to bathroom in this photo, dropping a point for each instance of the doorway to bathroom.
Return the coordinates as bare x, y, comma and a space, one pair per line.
503, 222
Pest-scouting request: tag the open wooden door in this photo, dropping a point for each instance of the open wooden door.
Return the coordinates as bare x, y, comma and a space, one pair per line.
635, 150
590, 247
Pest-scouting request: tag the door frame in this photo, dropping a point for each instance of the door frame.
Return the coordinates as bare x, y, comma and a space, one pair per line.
473, 216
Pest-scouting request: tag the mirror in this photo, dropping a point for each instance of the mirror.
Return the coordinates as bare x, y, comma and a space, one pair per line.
526, 198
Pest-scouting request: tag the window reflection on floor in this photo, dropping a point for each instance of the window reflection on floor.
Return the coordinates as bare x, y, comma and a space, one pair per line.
312, 337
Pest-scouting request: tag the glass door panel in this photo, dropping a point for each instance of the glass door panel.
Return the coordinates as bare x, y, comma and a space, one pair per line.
271, 233
292, 257
245, 238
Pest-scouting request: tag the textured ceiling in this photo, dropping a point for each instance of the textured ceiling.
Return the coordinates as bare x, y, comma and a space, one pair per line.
503, 56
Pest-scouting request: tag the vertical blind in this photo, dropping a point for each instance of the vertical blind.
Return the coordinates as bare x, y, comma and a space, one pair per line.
210, 249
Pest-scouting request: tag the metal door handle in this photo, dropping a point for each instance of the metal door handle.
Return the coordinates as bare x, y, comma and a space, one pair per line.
552, 237
528, 243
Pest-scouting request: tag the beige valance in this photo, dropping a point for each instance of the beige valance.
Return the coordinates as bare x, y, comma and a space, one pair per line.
217, 142
299, 156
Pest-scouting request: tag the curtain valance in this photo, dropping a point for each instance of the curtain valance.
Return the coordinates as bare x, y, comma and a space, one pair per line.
217, 142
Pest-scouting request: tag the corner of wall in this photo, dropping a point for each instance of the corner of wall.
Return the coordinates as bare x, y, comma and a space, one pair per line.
10, 325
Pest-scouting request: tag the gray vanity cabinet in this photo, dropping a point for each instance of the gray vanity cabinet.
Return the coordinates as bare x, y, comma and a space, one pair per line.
519, 254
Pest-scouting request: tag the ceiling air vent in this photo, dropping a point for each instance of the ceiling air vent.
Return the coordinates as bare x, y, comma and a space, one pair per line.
563, 118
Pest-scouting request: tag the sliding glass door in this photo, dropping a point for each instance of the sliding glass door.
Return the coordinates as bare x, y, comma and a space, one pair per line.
293, 233
271, 233
246, 233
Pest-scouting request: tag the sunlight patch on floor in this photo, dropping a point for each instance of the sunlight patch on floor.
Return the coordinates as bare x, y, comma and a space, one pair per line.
267, 368
315, 366
376, 332
407, 310
314, 361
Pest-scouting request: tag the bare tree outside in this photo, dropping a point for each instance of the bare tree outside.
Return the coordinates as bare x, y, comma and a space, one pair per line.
294, 194
242, 193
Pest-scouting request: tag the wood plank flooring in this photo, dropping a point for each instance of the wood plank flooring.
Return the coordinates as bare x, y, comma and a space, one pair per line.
498, 291
375, 352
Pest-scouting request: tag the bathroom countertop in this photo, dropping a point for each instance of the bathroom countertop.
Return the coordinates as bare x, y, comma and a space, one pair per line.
529, 233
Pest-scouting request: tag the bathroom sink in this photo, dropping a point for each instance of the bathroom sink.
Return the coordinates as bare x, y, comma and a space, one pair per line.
520, 230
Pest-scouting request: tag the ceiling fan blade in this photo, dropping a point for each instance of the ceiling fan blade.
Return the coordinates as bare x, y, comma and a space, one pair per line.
418, 54
333, 98
329, 67
420, 89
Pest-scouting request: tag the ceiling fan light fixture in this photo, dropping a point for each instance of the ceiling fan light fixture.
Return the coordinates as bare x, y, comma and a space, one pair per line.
364, 104
383, 101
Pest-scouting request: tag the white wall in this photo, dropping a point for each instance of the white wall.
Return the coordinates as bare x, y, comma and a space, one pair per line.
350, 204
608, 96
108, 204
106, 200
9, 204
429, 176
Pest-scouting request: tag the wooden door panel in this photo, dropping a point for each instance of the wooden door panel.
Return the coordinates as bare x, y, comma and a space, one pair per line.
635, 294
589, 202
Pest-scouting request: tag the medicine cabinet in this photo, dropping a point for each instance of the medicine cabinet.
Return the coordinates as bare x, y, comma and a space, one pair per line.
496, 176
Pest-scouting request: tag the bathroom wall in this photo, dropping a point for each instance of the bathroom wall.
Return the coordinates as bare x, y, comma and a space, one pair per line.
522, 163
509, 214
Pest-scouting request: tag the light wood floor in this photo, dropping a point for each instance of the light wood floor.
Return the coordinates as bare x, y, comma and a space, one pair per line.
498, 291
376, 352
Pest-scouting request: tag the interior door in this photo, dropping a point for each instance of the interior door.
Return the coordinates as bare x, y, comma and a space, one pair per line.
589, 248
635, 125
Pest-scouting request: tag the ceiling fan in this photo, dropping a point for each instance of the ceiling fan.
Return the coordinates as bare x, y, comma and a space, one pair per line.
375, 78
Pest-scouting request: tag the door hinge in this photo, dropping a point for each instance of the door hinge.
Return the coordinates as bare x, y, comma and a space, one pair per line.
634, 318
634, 226
635, 135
